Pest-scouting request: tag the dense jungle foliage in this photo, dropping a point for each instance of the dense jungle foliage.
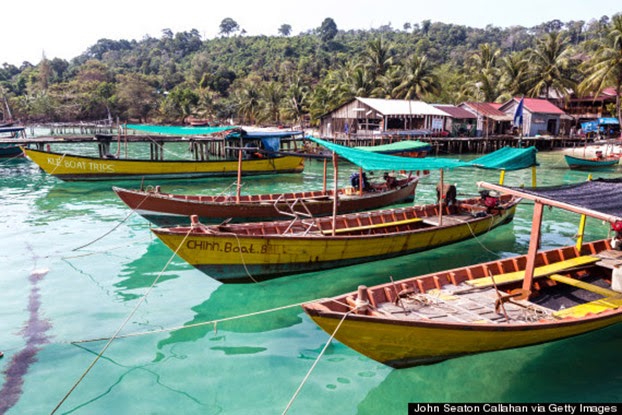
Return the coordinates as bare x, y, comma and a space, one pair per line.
285, 79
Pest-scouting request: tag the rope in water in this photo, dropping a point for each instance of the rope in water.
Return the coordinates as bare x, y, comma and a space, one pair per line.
114, 227
189, 326
317, 360
111, 339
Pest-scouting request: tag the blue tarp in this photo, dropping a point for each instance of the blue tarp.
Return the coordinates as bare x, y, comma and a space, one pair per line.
608, 121
589, 126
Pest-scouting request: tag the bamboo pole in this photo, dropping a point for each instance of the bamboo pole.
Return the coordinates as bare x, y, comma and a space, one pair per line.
335, 196
239, 183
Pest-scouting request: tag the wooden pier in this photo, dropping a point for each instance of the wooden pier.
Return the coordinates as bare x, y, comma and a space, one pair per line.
201, 145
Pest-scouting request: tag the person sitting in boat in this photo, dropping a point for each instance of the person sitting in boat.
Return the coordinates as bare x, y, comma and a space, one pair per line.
489, 199
599, 155
355, 181
390, 180
616, 241
448, 192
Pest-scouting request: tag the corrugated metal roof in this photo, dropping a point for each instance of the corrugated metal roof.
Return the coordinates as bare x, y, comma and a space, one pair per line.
540, 106
401, 107
456, 112
488, 110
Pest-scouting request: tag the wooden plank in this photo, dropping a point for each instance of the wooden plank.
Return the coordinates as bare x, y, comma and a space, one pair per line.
372, 226
593, 307
539, 272
605, 292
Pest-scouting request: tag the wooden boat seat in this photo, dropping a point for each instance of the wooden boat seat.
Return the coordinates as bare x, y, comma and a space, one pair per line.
539, 272
593, 307
373, 226
605, 292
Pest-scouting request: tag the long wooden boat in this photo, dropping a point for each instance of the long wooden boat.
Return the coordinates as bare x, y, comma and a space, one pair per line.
519, 301
74, 167
591, 163
167, 209
257, 251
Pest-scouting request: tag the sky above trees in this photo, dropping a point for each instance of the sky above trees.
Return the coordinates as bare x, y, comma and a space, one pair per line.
65, 29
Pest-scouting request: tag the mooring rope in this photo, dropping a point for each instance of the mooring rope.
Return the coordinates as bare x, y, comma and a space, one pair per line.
242, 257
114, 228
189, 326
304, 381
111, 339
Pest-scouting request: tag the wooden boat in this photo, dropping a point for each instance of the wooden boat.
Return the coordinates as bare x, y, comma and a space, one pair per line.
167, 209
520, 301
257, 251
74, 167
592, 163
10, 135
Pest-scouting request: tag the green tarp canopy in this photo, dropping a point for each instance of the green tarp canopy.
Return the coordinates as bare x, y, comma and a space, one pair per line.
508, 158
398, 147
174, 130
504, 159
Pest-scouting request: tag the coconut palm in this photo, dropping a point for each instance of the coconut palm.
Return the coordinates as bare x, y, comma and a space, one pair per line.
550, 64
377, 57
418, 79
605, 68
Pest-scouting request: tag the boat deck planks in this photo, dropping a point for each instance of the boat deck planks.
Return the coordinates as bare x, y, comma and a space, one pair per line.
462, 304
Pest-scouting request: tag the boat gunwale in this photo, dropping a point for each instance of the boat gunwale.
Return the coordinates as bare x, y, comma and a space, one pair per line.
321, 309
232, 231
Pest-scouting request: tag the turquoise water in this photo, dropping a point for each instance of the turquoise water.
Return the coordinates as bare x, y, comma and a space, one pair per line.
77, 265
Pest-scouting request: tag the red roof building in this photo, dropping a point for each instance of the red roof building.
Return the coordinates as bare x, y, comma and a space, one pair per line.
540, 116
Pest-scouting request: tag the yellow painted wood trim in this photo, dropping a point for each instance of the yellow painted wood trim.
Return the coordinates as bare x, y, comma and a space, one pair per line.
542, 271
593, 307
605, 292
374, 226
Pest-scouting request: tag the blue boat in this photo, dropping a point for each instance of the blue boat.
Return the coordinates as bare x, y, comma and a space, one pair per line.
592, 163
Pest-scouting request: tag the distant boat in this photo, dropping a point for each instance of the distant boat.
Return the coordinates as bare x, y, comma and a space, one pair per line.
512, 302
243, 154
166, 209
592, 163
14, 133
73, 167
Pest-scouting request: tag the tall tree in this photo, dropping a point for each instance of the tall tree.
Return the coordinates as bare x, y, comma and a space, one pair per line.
228, 26
285, 29
418, 79
377, 56
605, 68
550, 64
328, 30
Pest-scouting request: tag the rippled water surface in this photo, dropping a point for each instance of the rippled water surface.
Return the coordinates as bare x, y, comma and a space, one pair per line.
77, 266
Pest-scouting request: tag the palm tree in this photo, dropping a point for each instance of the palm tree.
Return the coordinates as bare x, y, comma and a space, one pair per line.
377, 57
605, 68
513, 70
485, 84
248, 100
272, 97
418, 79
550, 66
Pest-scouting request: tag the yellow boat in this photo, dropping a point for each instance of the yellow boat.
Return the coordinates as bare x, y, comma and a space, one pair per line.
257, 251
74, 167
520, 301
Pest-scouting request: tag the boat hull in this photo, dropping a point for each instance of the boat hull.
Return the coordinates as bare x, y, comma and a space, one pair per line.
402, 346
234, 257
404, 342
581, 163
72, 168
165, 209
